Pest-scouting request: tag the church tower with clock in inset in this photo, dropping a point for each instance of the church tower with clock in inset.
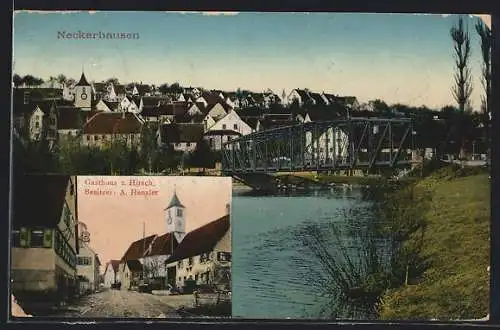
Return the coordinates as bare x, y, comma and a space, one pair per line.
83, 94
175, 218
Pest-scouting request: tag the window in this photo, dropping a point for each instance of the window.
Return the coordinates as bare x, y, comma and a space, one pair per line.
37, 124
84, 261
235, 126
36, 238
190, 261
196, 277
179, 212
179, 264
224, 256
96, 137
204, 257
103, 137
180, 278
188, 144
86, 137
223, 126
228, 138
47, 238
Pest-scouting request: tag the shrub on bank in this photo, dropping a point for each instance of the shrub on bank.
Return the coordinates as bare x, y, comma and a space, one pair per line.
449, 279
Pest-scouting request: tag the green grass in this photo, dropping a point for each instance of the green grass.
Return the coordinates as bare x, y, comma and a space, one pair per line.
456, 242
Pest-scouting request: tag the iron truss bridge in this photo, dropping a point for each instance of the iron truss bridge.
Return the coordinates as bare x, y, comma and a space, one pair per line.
355, 143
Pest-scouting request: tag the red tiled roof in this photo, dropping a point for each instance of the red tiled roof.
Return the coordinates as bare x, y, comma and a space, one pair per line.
162, 245
113, 123
137, 249
134, 265
173, 109
181, 132
113, 106
201, 240
69, 118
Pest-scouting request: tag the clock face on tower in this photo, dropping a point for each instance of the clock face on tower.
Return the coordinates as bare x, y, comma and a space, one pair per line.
84, 96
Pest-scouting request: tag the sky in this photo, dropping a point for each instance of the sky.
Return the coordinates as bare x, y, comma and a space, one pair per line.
399, 58
115, 221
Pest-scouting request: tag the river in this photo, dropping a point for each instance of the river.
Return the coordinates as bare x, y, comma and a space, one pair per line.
275, 274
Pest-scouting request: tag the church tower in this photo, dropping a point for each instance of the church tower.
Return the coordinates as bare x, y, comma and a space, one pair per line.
175, 218
83, 91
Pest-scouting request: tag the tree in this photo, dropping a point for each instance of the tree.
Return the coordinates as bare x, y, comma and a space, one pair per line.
379, 106
113, 81
148, 145
61, 79
463, 79
37, 81
202, 156
29, 80
175, 88
70, 81
163, 88
17, 80
486, 42
153, 266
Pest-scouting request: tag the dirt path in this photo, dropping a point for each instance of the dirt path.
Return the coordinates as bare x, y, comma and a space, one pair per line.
120, 303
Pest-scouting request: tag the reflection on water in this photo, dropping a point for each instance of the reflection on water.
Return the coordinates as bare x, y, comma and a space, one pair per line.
274, 273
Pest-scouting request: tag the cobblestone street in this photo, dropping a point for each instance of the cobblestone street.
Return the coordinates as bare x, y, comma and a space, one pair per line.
122, 303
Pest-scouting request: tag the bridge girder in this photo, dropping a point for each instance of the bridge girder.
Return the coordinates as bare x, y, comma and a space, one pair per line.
355, 143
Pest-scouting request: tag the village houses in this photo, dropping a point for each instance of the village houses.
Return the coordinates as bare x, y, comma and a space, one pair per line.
111, 274
87, 269
104, 128
202, 254
229, 127
44, 242
145, 259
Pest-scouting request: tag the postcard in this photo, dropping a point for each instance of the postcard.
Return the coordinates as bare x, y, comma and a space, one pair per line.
121, 247
354, 150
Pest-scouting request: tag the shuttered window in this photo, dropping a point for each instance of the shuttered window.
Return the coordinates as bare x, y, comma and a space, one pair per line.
47, 238
24, 237
36, 238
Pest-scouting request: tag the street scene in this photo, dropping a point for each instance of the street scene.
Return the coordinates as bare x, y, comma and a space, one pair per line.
353, 151
169, 258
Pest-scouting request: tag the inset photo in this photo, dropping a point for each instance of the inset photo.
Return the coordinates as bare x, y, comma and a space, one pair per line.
118, 247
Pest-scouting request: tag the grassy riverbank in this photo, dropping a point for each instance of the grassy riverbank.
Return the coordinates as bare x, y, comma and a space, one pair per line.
455, 245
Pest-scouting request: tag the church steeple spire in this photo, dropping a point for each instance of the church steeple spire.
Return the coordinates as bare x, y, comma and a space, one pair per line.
83, 81
175, 217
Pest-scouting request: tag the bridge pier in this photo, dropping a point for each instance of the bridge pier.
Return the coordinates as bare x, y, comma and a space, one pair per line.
258, 181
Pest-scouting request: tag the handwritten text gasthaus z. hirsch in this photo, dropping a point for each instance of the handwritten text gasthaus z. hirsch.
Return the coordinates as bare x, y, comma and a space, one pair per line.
126, 187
